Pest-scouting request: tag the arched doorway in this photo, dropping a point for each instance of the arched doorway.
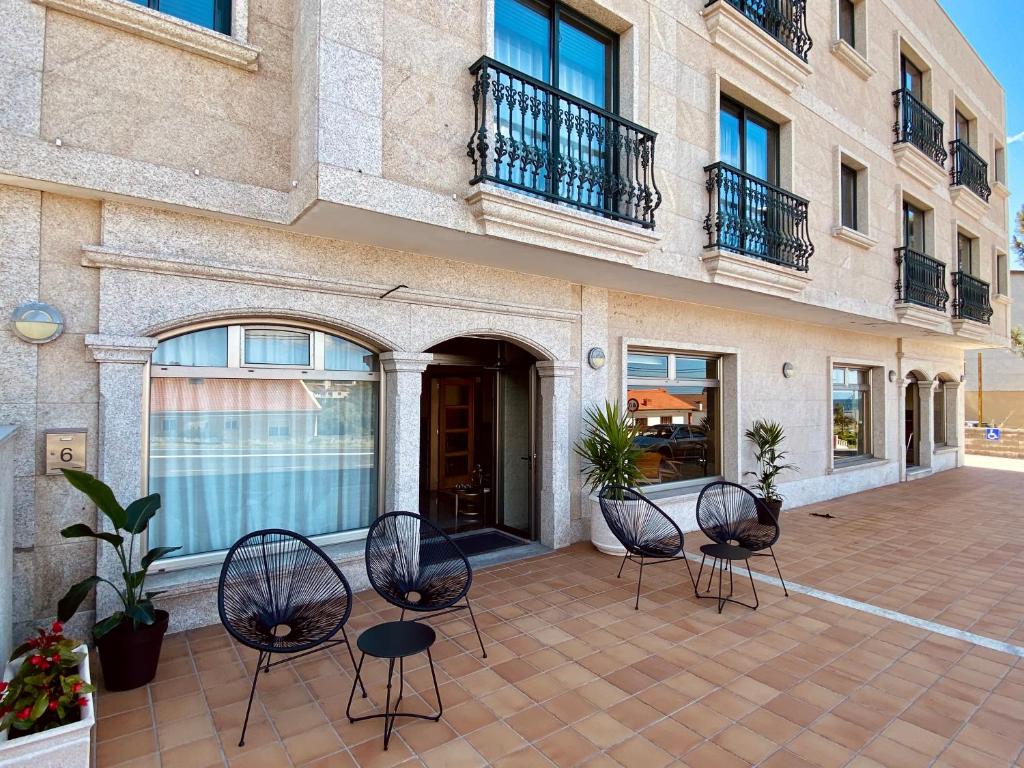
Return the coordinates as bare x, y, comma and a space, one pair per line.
478, 442
912, 418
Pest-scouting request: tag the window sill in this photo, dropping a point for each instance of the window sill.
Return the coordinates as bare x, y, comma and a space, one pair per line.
853, 58
1000, 188
853, 465
945, 449
753, 274
968, 202
854, 237
1002, 298
680, 494
154, 25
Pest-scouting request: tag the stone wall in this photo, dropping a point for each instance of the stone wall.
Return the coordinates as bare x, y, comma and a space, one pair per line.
6, 538
1010, 445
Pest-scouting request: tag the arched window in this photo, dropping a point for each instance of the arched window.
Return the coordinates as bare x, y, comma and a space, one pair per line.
261, 426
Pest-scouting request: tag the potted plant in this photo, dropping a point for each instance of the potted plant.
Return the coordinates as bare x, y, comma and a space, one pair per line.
609, 458
46, 712
767, 438
129, 641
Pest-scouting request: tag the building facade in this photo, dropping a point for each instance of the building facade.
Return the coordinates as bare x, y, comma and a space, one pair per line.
321, 259
998, 374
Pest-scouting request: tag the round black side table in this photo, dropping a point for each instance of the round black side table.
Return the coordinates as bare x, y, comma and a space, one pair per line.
394, 641
724, 556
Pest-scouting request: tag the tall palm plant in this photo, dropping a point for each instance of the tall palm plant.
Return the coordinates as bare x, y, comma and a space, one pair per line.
767, 437
607, 449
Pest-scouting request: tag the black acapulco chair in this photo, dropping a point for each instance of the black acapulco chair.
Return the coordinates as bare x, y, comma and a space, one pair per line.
730, 514
649, 535
417, 567
279, 593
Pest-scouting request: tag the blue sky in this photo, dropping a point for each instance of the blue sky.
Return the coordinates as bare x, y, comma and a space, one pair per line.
996, 30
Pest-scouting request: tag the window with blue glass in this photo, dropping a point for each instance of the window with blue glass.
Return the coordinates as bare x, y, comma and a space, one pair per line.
553, 44
213, 14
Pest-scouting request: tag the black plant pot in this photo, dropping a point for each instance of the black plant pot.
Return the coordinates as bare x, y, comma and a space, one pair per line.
128, 656
768, 510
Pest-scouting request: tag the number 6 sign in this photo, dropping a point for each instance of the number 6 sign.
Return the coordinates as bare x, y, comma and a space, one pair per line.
65, 449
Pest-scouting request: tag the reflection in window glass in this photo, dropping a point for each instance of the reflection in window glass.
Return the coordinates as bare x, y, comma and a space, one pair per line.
648, 366
276, 346
213, 14
939, 414
199, 348
677, 423
342, 355
850, 404
230, 456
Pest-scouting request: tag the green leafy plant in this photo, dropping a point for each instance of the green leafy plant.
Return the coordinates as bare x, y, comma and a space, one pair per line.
767, 438
46, 690
1017, 340
607, 449
129, 522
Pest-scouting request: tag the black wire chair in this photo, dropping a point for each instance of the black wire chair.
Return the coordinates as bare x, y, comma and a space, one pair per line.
415, 566
279, 593
649, 535
730, 514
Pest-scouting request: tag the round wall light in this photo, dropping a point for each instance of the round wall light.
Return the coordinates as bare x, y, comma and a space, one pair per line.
596, 358
36, 322
788, 370
892, 375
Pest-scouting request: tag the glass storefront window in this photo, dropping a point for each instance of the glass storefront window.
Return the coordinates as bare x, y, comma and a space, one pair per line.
850, 414
234, 451
198, 349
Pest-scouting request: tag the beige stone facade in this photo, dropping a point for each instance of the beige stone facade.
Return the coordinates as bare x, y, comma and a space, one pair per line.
157, 176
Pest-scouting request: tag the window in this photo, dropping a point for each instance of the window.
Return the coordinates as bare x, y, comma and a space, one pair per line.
674, 401
851, 406
848, 195
966, 255
939, 415
912, 78
1002, 275
291, 443
999, 164
848, 22
962, 127
213, 14
913, 228
748, 141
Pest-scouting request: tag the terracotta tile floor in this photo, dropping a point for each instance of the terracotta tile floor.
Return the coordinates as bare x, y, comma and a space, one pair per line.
575, 676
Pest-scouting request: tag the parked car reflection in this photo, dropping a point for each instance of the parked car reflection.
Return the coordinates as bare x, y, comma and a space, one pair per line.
672, 452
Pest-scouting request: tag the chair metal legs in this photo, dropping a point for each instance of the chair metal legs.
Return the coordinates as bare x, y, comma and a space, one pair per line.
771, 554
639, 581
472, 617
252, 692
478, 637
723, 565
643, 561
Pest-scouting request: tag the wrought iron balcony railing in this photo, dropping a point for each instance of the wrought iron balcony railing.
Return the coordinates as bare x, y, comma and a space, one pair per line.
755, 218
922, 280
538, 139
785, 20
916, 124
972, 298
969, 169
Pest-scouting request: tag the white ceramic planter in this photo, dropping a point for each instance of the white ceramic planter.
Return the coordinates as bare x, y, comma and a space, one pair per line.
601, 535
64, 747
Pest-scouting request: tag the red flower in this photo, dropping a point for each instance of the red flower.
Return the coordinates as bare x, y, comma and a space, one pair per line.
24, 714
53, 705
35, 660
3, 687
57, 628
75, 688
83, 701
56, 658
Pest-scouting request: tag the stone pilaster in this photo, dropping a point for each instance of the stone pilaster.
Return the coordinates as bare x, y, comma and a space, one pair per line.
555, 403
403, 387
925, 422
122, 361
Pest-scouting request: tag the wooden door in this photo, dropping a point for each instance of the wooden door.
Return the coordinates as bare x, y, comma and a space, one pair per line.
456, 430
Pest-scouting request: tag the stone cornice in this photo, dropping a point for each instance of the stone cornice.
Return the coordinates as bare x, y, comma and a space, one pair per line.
139, 20
132, 350
103, 257
853, 58
409, 362
557, 368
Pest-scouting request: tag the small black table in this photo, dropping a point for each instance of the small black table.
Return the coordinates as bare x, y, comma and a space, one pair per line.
393, 641
724, 555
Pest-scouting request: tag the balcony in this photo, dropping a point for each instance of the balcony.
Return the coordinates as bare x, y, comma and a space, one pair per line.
919, 127
784, 20
968, 178
972, 298
921, 281
548, 144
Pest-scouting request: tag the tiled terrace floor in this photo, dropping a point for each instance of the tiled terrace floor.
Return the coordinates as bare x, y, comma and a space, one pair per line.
576, 676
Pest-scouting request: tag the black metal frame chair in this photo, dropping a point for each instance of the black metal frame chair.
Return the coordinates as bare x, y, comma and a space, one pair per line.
417, 567
730, 514
649, 535
279, 593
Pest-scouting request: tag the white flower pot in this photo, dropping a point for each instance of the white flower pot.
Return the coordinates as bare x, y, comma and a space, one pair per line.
601, 535
65, 747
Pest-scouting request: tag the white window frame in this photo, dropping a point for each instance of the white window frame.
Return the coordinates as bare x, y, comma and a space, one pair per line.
236, 370
877, 413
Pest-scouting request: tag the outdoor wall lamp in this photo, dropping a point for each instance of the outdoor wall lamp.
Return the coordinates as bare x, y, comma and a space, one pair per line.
892, 375
37, 323
596, 358
788, 370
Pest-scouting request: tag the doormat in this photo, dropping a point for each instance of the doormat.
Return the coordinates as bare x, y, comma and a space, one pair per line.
486, 541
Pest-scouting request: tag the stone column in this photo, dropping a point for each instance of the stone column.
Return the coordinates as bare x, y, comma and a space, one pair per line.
555, 395
122, 362
954, 413
925, 422
403, 386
